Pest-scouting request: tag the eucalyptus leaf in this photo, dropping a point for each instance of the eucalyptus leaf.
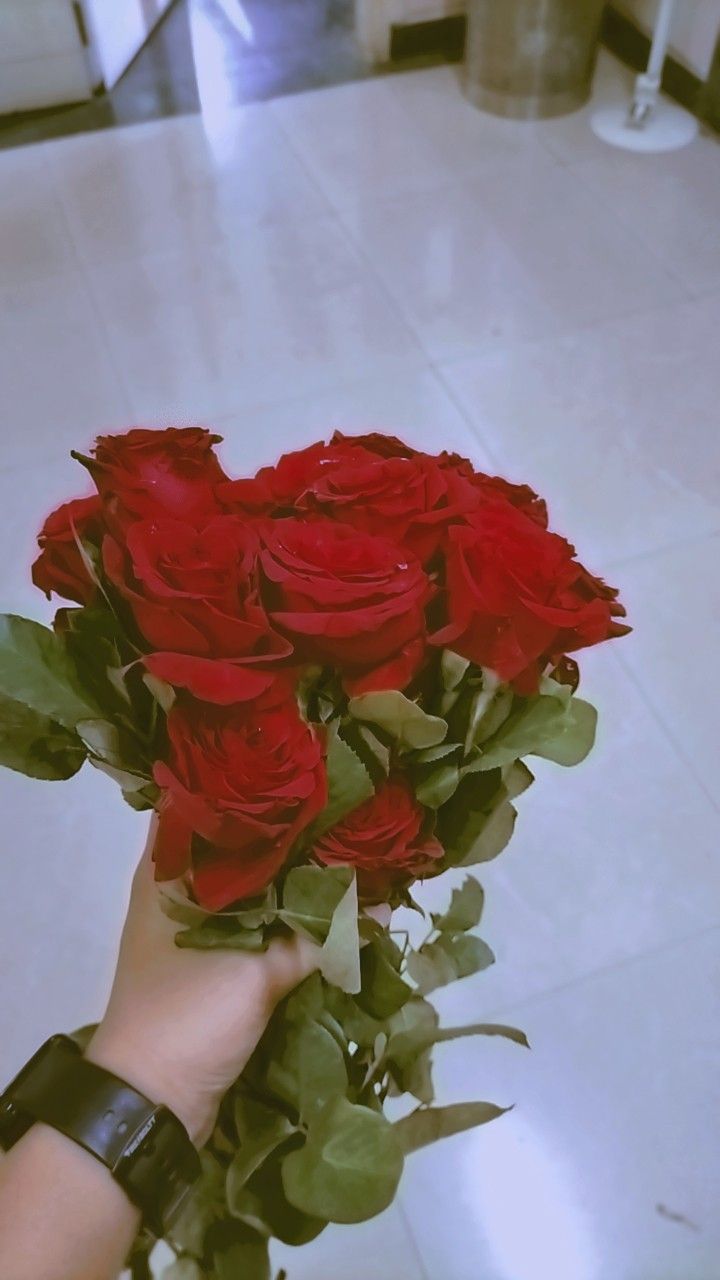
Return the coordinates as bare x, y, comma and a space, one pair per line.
448, 959
311, 896
340, 955
552, 724
266, 1206
203, 1206
405, 1044
452, 668
403, 719
383, 991
350, 1166
183, 1269
239, 1252
437, 788
35, 669
349, 785
307, 1067
261, 1129
465, 910
430, 1124
33, 744
217, 935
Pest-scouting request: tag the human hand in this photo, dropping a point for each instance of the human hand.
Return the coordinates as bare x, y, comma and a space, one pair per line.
180, 1024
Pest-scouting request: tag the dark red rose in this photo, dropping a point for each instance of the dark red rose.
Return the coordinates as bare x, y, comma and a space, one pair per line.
517, 599
280, 488
408, 499
345, 597
143, 474
247, 782
493, 487
60, 567
383, 839
376, 442
194, 596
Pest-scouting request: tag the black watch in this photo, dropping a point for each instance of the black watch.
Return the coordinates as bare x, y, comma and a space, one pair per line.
145, 1147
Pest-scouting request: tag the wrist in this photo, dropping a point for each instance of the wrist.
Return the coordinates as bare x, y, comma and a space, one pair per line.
138, 1061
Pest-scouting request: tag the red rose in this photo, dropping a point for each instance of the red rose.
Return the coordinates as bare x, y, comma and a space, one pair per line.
281, 487
493, 487
194, 597
383, 839
347, 598
246, 782
409, 499
60, 567
149, 473
517, 599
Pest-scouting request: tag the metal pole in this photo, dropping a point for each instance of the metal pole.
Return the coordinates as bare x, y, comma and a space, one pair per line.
647, 85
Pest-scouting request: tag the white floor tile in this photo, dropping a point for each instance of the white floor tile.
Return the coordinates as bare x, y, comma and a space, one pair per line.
359, 143
34, 237
180, 184
521, 252
381, 1248
602, 866
57, 386
27, 495
671, 201
410, 403
279, 310
616, 426
676, 608
69, 849
609, 1166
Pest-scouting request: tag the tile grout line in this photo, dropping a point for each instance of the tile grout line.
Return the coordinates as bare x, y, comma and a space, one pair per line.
539, 997
667, 730
406, 1219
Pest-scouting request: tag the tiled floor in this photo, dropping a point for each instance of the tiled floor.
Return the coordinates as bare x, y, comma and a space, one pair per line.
381, 254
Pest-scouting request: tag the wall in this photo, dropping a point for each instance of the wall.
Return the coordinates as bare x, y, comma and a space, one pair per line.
42, 61
118, 28
696, 25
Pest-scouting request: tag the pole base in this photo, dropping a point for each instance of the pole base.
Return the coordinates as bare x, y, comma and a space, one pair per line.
666, 128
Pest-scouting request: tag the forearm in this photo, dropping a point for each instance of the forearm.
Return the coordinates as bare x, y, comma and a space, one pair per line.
62, 1215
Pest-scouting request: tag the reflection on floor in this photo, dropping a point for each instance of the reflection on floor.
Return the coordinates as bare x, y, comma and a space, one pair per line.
246, 52
381, 255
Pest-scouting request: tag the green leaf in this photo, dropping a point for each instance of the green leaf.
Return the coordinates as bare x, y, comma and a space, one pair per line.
478, 822
260, 1130
266, 1206
218, 935
307, 1067
576, 737
383, 991
405, 1044
311, 896
350, 1166
433, 1123
465, 910
516, 779
554, 724
35, 669
349, 785
35, 745
239, 1252
183, 1269
340, 955
452, 668
437, 788
438, 963
203, 1206
433, 754
306, 1001
402, 719
162, 692
357, 1025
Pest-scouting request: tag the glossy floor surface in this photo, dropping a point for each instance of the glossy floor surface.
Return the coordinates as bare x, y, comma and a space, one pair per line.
382, 255
205, 48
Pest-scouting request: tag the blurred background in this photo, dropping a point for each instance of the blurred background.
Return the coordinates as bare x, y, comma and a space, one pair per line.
276, 217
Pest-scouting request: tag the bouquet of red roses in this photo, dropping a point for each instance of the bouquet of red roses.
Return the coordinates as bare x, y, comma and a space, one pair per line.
324, 680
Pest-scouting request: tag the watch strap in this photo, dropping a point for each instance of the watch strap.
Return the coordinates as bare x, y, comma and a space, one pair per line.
146, 1147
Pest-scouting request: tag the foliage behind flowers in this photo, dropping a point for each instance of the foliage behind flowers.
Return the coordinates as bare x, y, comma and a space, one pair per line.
324, 679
